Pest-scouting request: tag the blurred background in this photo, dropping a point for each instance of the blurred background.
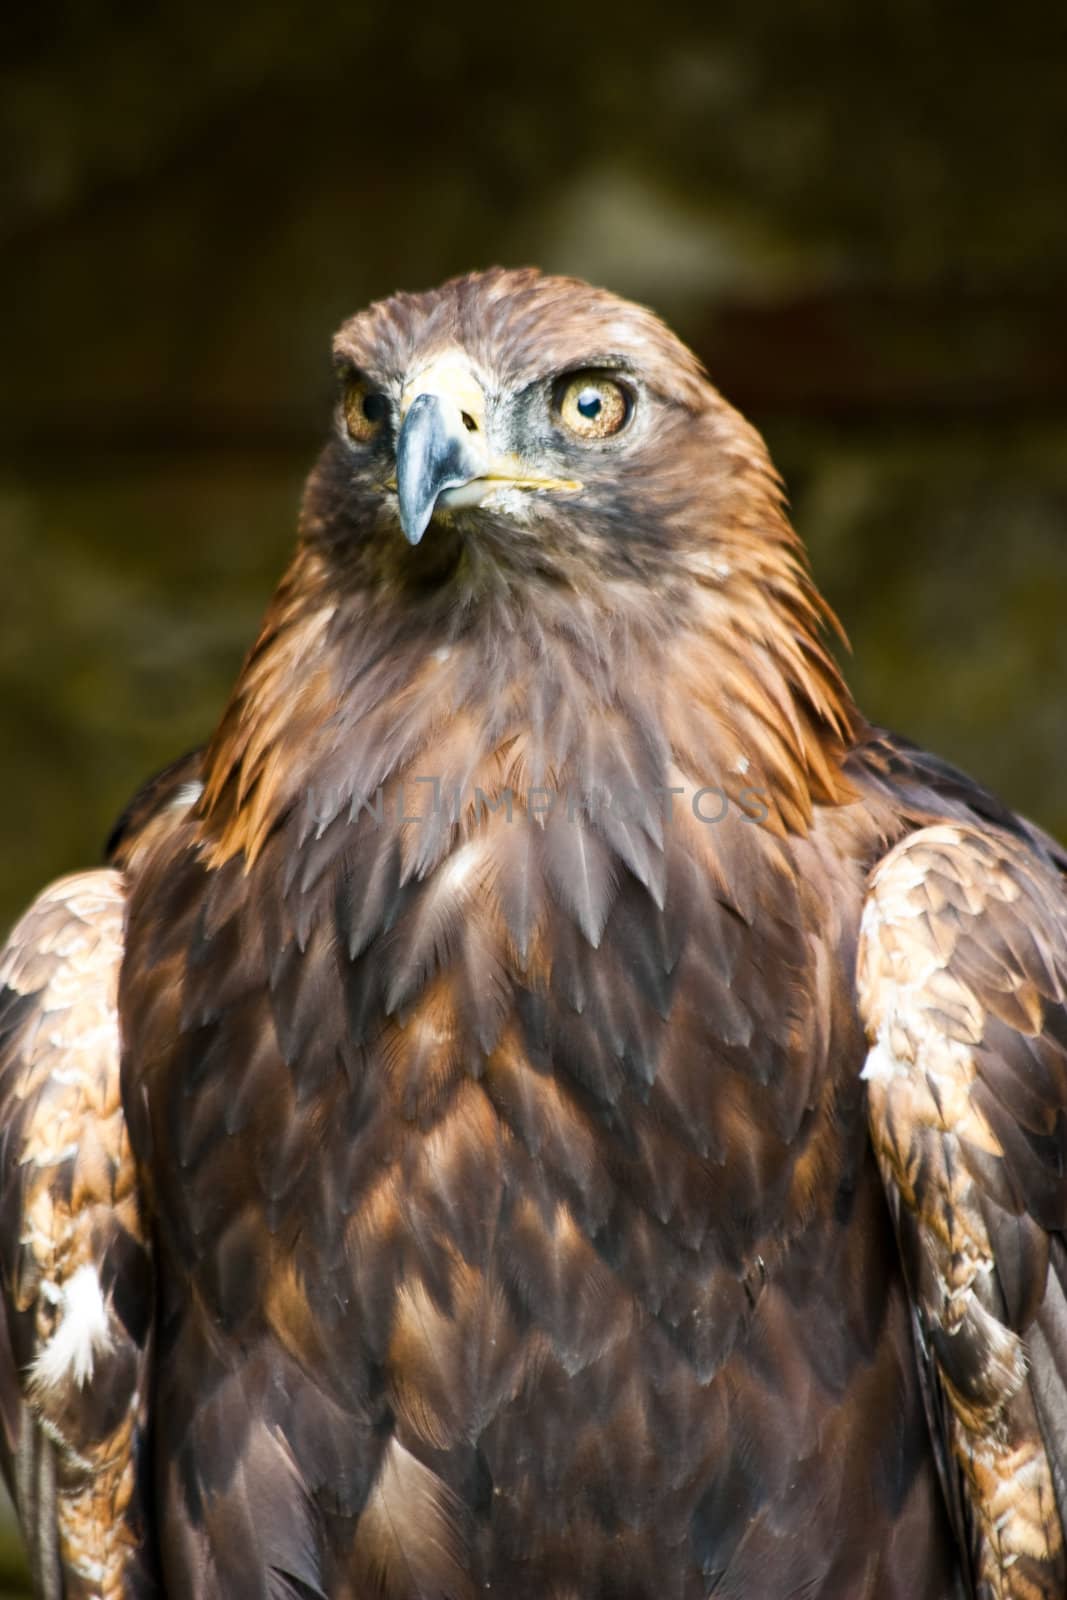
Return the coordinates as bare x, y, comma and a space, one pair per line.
856, 215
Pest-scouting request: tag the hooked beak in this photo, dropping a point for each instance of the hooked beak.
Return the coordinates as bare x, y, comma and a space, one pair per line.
442, 448
435, 452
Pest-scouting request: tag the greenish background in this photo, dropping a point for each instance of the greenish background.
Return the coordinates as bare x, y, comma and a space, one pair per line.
856, 214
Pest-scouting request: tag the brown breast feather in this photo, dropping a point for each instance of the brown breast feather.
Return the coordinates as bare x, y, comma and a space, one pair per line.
499, 1159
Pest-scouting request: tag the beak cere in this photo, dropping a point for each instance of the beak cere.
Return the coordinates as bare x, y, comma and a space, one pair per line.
435, 451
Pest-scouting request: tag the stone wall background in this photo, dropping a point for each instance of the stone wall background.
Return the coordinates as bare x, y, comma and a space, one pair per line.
856, 214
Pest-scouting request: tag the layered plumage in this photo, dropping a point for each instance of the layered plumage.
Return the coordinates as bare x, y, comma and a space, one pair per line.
529, 1002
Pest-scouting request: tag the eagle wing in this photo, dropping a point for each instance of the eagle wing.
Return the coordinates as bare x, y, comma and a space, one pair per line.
962, 983
74, 1264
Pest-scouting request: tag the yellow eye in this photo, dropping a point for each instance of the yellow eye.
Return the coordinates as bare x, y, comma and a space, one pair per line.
365, 410
592, 405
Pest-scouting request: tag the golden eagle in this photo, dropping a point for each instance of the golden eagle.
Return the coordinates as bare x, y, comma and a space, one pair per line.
549, 1102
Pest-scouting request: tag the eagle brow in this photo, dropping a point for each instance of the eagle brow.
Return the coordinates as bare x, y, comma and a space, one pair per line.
597, 363
608, 364
345, 368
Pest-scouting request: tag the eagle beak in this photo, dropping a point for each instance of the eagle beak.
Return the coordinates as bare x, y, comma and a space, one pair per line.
441, 444
443, 450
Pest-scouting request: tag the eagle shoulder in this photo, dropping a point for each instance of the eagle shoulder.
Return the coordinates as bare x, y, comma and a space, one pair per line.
962, 987
74, 1261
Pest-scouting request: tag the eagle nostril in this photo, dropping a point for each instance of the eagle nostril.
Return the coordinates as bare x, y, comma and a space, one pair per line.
469, 422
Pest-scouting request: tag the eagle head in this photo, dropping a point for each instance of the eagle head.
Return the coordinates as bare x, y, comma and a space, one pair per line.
531, 496
520, 423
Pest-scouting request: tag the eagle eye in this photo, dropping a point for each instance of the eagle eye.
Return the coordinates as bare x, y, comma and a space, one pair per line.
365, 410
592, 405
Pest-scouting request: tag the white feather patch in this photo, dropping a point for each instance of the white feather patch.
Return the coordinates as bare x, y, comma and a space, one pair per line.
81, 1336
187, 795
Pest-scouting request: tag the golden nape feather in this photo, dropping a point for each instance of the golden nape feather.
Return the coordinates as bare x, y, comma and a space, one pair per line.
517, 1186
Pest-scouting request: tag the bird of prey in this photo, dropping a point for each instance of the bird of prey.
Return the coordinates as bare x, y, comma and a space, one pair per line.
548, 1102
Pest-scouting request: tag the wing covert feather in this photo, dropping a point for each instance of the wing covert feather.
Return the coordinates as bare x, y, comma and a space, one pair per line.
962, 982
75, 1270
